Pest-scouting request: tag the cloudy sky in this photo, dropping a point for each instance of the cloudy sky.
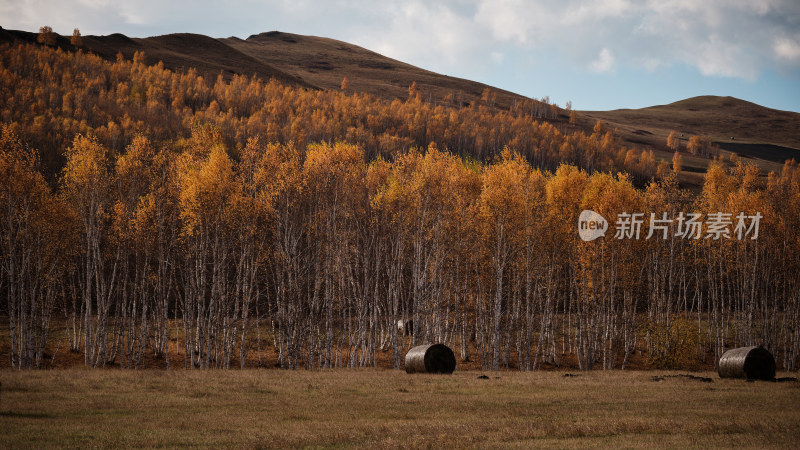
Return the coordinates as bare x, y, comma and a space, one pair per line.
602, 54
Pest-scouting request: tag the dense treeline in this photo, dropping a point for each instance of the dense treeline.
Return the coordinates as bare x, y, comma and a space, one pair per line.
211, 225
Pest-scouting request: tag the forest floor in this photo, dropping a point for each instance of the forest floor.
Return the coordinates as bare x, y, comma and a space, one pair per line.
389, 408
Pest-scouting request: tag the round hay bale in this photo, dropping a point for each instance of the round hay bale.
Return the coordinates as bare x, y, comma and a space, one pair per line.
430, 358
753, 363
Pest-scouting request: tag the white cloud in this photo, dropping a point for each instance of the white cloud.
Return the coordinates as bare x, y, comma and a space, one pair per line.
504, 20
715, 58
604, 62
787, 49
437, 36
731, 38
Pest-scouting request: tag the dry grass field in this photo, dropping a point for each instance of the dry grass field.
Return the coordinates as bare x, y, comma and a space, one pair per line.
388, 408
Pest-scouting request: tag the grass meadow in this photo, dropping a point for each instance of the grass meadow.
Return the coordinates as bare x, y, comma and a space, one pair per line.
373, 408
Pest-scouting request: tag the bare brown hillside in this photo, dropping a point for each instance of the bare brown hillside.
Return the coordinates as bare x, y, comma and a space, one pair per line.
325, 62
734, 124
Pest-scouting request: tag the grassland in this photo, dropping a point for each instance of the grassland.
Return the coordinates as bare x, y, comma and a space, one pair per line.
388, 408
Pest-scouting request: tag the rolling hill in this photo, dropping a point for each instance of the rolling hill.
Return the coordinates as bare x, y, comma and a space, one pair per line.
734, 124
324, 62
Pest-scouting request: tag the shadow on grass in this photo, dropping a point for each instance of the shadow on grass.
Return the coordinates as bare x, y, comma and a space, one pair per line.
25, 415
769, 152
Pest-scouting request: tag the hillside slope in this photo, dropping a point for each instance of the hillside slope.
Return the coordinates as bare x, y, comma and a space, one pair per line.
736, 125
325, 62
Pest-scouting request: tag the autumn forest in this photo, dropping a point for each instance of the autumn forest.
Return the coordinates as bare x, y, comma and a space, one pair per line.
154, 218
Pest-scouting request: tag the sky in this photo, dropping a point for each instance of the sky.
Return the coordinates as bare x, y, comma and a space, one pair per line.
598, 54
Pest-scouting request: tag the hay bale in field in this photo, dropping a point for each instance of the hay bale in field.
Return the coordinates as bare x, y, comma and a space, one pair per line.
430, 358
753, 363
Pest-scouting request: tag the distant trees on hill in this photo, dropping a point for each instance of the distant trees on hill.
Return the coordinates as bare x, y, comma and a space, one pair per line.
46, 36
76, 39
672, 141
677, 162
702, 146
696, 145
